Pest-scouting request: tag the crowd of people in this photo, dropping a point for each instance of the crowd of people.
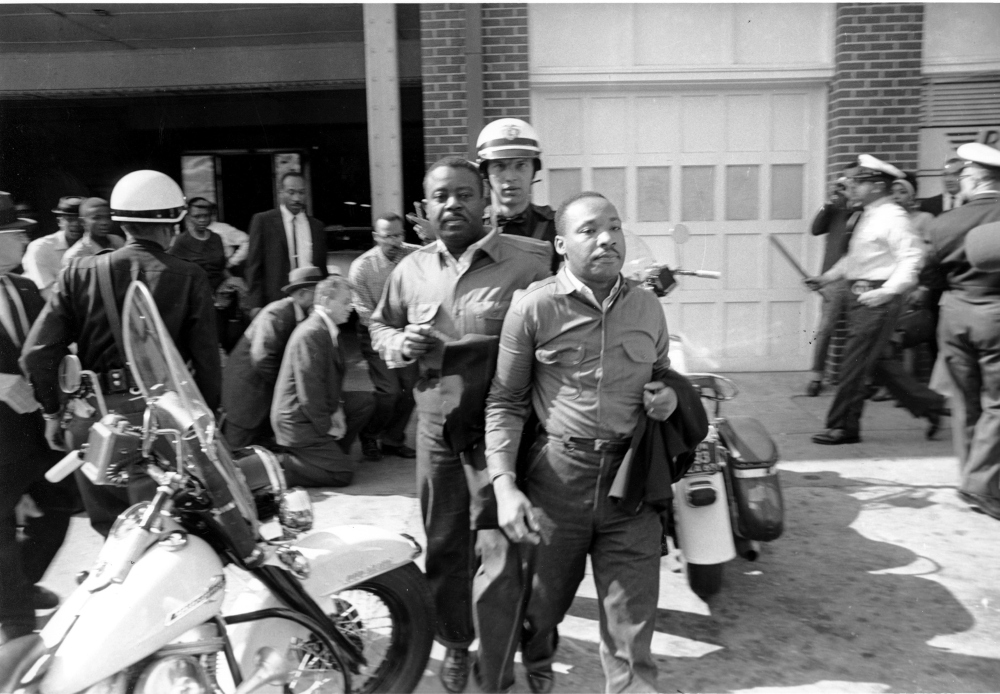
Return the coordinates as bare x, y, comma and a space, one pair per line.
527, 355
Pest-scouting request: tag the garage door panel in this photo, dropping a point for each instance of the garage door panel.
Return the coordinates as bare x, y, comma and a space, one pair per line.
655, 124
743, 323
611, 182
780, 273
607, 125
562, 122
701, 123
785, 328
742, 269
744, 114
699, 324
789, 122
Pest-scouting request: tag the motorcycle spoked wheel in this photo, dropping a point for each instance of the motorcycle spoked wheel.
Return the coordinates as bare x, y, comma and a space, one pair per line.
391, 617
705, 579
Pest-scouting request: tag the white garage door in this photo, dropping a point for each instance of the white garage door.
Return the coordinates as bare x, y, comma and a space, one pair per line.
735, 166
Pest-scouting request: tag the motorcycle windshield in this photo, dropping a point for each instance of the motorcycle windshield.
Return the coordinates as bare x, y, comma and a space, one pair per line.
161, 373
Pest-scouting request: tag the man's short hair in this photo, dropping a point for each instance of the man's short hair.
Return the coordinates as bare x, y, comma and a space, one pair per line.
144, 230
201, 202
289, 174
389, 217
453, 162
329, 287
561, 212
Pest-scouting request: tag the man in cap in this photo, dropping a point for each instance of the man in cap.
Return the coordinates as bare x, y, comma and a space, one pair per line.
149, 205
458, 286
252, 368
969, 324
881, 265
43, 258
952, 196
314, 420
95, 215
13, 233
393, 387
282, 240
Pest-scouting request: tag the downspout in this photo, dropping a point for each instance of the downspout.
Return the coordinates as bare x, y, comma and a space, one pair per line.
474, 72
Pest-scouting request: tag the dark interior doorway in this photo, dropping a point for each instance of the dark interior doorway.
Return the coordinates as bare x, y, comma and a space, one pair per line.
246, 187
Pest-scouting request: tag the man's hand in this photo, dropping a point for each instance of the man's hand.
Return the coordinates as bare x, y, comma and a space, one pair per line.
815, 283
515, 514
54, 434
417, 340
876, 297
659, 400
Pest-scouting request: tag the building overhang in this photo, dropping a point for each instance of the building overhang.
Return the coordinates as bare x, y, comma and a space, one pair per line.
639, 78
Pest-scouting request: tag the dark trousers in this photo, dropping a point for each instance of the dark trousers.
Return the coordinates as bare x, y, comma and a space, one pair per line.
830, 312
240, 437
330, 464
393, 394
570, 486
969, 343
868, 333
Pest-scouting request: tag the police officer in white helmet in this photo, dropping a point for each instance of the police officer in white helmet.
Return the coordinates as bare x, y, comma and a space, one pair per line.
85, 309
509, 156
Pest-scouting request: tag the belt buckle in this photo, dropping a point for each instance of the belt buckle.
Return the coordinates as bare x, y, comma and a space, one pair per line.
603, 444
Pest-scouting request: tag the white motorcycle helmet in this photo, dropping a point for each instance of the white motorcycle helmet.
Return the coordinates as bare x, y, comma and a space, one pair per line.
147, 196
508, 138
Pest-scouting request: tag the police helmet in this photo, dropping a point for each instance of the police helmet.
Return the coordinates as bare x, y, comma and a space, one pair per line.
508, 138
147, 196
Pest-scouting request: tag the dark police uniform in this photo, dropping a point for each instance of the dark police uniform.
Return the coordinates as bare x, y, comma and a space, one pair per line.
537, 222
76, 313
969, 338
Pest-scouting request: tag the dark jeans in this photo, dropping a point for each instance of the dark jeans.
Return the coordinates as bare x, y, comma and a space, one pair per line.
868, 333
393, 394
969, 342
23, 562
570, 486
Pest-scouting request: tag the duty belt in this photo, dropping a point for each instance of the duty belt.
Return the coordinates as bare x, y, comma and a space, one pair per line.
859, 287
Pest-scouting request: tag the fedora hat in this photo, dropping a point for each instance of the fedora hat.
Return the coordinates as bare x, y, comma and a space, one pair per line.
302, 277
68, 206
9, 220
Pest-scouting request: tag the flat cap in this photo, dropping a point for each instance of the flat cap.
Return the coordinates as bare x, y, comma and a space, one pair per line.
982, 247
871, 165
978, 153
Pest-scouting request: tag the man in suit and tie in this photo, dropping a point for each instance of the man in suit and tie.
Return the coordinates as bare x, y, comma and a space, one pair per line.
952, 195
282, 240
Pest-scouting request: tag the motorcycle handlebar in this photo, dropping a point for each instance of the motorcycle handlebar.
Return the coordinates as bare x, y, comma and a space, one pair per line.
65, 467
707, 274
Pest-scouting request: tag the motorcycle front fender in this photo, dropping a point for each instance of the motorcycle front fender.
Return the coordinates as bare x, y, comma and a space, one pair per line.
167, 592
704, 533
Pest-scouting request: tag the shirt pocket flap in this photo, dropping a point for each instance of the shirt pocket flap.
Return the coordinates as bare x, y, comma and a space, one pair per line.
423, 312
568, 355
640, 351
495, 311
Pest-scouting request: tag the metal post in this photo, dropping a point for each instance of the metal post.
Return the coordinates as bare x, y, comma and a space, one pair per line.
474, 72
385, 153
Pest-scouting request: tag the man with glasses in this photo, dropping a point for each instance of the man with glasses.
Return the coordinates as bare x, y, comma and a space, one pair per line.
393, 387
969, 325
881, 265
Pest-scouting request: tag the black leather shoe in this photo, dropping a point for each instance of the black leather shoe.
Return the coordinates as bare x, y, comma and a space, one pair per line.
44, 599
401, 451
541, 681
835, 437
814, 388
454, 671
370, 450
933, 425
983, 504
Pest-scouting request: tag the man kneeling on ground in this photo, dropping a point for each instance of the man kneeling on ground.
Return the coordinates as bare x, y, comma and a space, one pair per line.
313, 419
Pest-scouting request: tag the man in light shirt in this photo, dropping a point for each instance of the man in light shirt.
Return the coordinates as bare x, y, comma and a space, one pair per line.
881, 265
43, 257
282, 240
95, 215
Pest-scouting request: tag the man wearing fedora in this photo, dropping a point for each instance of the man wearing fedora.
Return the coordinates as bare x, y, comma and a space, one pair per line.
252, 368
43, 259
13, 234
880, 266
969, 325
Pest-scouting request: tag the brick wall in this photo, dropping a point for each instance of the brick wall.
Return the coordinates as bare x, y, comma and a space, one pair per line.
874, 104
445, 88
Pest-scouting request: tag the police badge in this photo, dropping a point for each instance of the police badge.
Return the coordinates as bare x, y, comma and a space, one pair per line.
511, 131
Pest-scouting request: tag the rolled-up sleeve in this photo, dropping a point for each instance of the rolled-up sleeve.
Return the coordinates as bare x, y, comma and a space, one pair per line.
509, 402
387, 322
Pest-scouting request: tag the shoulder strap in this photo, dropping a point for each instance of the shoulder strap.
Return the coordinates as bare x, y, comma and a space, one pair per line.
110, 304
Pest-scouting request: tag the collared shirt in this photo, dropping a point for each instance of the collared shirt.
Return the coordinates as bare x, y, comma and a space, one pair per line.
456, 297
368, 275
883, 247
588, 293
581, 369
236, 242
299, 238
330, 325
87, 246
43, 260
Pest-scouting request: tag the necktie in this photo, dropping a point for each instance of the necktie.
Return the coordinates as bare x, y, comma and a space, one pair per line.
852, 222
16, 326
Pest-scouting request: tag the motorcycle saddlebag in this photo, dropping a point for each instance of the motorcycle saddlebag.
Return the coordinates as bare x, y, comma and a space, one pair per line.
754, 491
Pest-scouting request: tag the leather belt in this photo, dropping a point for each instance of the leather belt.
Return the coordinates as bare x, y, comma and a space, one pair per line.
604, 445
859, 287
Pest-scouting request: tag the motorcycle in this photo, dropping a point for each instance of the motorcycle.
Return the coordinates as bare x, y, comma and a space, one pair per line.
336, 610
729, 500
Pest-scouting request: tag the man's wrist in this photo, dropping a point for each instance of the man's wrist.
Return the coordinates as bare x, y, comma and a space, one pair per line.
51, 416
503, 473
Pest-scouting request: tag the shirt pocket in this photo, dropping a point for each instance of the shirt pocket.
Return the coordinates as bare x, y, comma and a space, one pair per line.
633, 366
563, 376
489, 316
422, 312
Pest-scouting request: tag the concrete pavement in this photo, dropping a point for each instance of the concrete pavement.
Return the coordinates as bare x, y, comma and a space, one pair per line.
884, 581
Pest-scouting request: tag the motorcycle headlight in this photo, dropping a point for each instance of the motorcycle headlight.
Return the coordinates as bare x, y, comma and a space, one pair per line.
173, 675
